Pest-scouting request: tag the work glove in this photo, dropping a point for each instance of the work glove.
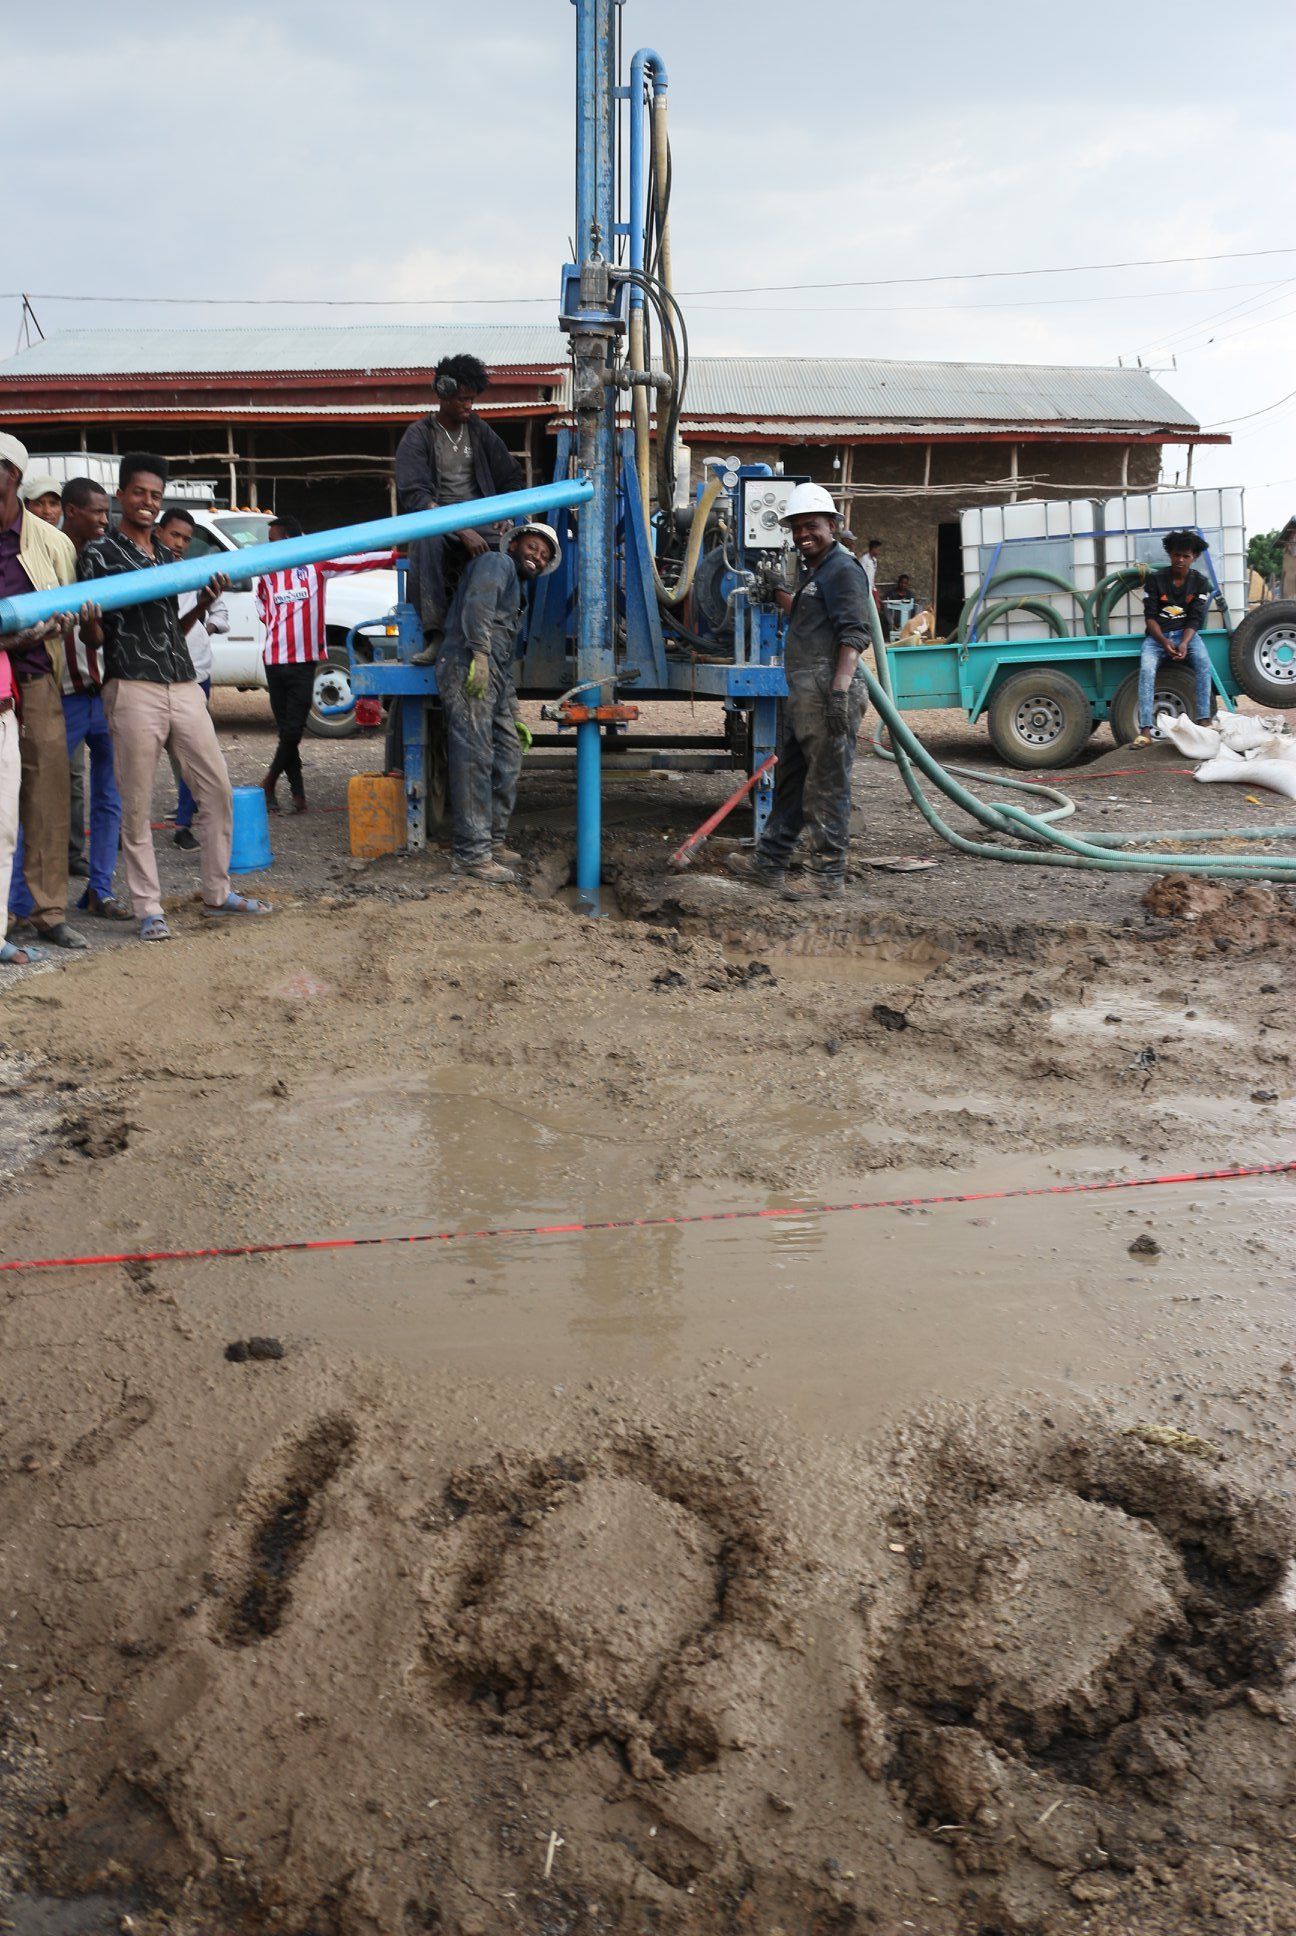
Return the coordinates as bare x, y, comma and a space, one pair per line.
524, 733
837, 711
477, 684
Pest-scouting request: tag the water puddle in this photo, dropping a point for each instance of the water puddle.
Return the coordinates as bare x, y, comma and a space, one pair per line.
1111, 1009
844, 960
842, 1318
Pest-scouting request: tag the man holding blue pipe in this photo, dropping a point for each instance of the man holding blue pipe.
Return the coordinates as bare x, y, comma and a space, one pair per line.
154, 704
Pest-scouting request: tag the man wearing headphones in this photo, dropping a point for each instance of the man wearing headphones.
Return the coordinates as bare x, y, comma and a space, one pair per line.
450, 457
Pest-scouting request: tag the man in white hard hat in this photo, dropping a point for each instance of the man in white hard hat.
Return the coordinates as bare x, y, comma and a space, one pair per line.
474, 673
820, 719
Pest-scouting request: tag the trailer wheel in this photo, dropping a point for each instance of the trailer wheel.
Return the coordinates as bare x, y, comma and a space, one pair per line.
1175, 693
332, 688
1039, 717
1262, 654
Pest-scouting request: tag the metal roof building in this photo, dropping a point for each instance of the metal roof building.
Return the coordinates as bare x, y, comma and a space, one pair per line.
308, 416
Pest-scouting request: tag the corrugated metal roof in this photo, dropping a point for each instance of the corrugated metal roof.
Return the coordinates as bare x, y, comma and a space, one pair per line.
752, 388
241, 351
860, 387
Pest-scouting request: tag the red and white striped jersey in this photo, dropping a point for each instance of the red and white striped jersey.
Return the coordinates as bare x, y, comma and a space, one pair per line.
291, 604
83, 667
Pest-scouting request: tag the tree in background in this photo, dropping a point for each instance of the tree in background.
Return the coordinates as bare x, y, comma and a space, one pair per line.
1265, 555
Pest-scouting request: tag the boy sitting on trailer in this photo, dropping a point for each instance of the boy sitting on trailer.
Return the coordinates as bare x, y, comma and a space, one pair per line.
1175, 600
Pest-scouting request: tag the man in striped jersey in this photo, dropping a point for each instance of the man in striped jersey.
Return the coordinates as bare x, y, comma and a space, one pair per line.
291, 605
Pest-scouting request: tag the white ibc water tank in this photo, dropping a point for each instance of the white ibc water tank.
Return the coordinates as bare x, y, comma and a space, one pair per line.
1136, 525
1057, 535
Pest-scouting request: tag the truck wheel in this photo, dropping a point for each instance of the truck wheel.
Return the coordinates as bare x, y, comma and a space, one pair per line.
1175, 693
1262, 655
333, 688
1039, 717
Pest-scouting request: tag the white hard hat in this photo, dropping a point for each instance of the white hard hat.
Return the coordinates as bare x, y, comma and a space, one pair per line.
12, 452
809, 500
532, 529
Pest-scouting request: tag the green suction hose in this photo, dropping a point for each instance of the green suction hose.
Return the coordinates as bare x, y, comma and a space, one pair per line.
1033, 577
1060, 849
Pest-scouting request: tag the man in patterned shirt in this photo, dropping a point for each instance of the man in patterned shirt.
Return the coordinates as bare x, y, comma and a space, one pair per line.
154, 703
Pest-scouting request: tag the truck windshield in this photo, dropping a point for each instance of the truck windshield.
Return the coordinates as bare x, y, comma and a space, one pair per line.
245, 528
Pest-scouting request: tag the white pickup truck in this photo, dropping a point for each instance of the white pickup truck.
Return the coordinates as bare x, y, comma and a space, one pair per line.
236, 657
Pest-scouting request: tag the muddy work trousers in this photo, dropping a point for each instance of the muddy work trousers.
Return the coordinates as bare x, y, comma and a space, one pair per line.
812, 781
484, 753
292, 692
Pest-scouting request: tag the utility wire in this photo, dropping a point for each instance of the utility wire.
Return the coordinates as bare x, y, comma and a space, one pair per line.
1249, 414
745, 289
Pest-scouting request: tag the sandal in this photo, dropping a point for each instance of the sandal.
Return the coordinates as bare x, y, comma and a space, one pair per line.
1141, 739
154, 928
237, 904
12, 956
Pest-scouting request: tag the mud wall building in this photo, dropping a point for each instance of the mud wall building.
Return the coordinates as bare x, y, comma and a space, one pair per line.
307, 419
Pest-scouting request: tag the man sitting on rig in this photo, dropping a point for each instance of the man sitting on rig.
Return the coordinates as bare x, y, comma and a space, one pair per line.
450, 457
820, 719
474, 671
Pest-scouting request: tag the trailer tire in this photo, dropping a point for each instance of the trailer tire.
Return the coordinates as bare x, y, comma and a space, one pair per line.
333, 676
1175, 692
1262, 654
1039, 717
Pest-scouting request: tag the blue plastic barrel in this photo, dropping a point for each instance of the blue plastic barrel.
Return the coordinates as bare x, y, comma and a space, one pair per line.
250, 847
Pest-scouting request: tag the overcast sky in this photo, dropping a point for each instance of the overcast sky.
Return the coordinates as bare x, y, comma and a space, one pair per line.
408, 148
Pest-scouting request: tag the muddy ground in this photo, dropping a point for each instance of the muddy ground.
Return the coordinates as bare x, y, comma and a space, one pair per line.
925, 1568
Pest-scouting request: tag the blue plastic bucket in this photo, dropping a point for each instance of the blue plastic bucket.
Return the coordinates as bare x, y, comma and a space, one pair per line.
250, 847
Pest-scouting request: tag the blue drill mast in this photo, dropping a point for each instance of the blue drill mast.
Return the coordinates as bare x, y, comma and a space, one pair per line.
662, 593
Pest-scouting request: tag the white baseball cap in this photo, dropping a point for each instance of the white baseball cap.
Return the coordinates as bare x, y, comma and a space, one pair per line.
40, 484
12, 452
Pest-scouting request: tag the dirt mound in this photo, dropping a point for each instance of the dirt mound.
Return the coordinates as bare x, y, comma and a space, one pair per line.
1095, 1648
1246, 917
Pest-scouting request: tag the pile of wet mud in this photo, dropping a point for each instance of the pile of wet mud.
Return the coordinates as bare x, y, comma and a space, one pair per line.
1027, 1681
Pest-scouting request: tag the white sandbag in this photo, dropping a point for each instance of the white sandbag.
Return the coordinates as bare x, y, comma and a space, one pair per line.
1193, 741
1279, 776
1244, 730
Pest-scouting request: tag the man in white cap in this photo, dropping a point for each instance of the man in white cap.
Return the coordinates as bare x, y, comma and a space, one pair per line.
35, 557
820, 719
43, 496
474, 673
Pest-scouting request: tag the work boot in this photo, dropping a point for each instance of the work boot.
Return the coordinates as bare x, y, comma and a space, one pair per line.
506, 856
61, 936
186, 838
488, 871
749, 868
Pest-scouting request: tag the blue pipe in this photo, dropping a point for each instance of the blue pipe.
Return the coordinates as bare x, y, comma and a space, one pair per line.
589, 807
191, 574
595, 132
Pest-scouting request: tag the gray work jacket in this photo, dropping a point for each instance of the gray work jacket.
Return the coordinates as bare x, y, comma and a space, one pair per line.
486, 612
829, 610
495, 468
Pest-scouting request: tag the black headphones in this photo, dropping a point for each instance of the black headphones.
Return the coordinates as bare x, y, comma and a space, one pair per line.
446, 386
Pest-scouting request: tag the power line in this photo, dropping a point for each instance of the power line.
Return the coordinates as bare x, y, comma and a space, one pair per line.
745, 289
1248, 415
1016, 302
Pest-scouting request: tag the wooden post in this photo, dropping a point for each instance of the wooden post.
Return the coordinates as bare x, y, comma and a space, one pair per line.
1013, 474
1188, 472
233, 474
252, 471
927, 469
1125, 451
391, 479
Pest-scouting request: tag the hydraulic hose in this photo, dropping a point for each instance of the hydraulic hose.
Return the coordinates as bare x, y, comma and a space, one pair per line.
1050, 845
1032, 576
1040, 606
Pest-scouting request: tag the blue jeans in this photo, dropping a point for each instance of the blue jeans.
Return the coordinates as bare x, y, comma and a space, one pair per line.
1150, 662
186, 805
86, 725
